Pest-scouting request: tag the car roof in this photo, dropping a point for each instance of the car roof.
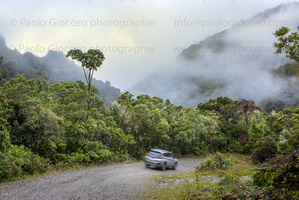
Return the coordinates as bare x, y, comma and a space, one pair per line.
160, 150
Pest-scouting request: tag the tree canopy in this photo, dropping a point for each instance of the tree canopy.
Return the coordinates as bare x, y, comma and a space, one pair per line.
45, 125
287, 43
90, 61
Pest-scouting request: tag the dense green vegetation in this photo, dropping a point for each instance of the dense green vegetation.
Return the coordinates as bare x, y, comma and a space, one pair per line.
271, 139
217, 161
52, 125
47, 125
54, 66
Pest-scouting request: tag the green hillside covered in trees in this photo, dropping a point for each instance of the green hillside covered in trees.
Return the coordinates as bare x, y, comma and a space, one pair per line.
53, 67
46, 123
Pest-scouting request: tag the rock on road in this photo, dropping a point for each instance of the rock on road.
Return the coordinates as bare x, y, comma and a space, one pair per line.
120, 181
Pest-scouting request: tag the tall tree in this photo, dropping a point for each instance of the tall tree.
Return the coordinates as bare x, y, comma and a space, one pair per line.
247, 108
288, 43
90, 62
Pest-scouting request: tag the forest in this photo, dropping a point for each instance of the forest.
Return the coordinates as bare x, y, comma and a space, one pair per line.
49, 125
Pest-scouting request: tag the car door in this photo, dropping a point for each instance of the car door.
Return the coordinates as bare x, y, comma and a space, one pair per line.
169, 159
173, 160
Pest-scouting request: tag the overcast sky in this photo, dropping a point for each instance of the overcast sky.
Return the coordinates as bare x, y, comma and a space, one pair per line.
136, 36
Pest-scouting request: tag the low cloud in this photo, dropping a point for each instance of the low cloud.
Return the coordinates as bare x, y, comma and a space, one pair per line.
237, 63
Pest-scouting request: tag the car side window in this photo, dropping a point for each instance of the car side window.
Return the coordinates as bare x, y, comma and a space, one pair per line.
167, 154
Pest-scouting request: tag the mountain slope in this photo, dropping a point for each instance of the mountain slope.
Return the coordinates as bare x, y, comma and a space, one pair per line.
53, 66
237, 63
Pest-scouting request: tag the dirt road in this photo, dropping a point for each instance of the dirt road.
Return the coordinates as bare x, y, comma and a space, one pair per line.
121, 181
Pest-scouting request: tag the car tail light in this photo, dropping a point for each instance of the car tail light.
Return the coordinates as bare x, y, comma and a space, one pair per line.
147, 154
159, 157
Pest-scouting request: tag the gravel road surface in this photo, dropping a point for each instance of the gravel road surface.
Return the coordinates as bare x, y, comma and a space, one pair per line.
120, 181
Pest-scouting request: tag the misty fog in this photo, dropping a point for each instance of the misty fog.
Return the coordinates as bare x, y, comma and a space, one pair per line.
237, 63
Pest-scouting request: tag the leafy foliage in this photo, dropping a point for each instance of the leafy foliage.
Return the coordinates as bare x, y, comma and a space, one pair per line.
19, 162
217, 161
4, 125
91, 60
54, 66
61, 124
46, 124
50, 125
288, 44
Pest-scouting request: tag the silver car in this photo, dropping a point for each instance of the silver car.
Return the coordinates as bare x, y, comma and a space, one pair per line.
161, 159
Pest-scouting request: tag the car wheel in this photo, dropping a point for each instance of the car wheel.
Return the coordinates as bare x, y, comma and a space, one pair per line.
163, 167
175, 166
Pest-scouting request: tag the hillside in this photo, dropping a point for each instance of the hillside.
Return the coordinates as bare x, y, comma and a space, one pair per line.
238, 62
54, 66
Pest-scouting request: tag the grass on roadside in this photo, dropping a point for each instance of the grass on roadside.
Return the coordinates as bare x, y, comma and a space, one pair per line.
203, 184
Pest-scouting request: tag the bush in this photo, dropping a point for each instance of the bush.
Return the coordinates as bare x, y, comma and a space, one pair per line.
217, 161
288, 174
77, 158
81, 157
29, 162
8, 170
19, 162
263, 178
280, 179
265, 149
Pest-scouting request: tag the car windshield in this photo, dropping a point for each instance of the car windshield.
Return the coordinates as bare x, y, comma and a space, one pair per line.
154, 153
